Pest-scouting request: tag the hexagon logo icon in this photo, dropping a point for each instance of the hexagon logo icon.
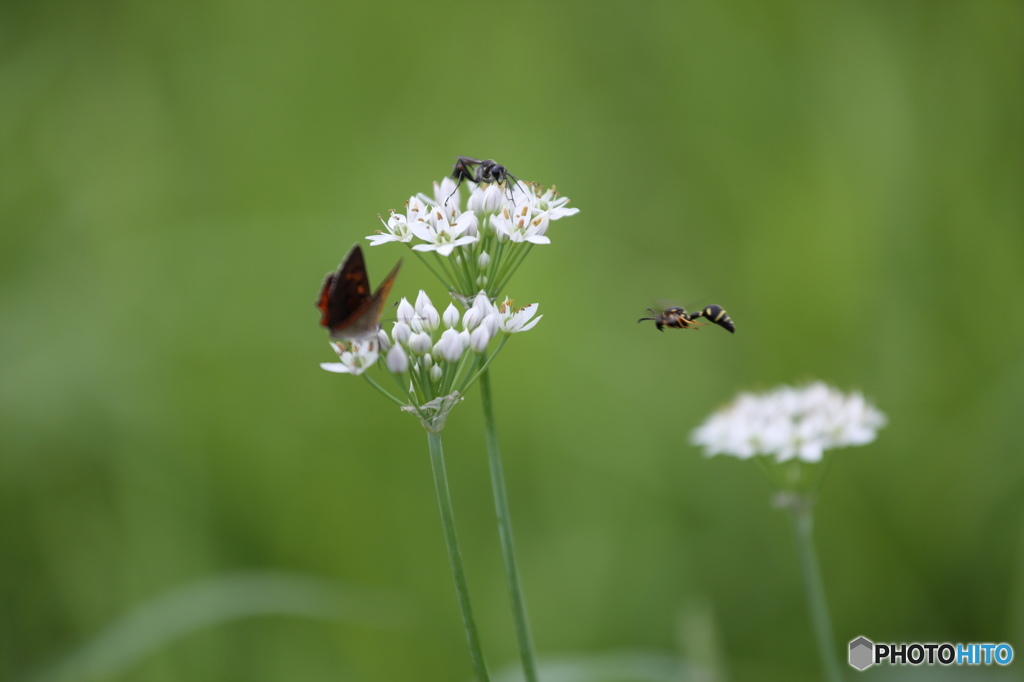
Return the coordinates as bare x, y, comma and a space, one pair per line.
861, 653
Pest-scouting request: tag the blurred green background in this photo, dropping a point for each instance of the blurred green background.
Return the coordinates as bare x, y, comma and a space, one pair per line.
175, 179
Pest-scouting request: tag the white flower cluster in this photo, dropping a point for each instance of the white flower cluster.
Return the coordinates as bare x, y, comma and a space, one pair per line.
495, 216
517, 213
434, 348
790, 423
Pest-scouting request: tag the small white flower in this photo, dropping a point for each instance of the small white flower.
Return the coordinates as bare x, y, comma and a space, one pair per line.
355, 357
483, 260
519, 225
549, 202
397, 231
397, 360
790, 423
511, 320
436, 372
443, 236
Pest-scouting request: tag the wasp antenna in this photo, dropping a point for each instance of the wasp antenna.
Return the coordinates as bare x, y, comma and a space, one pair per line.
644, 318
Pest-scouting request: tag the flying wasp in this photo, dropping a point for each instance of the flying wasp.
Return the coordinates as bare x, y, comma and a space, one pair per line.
677, 318
486, 172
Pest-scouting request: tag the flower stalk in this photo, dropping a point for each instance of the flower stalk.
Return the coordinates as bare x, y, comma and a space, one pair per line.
801, 511
444, 501
508, 550
788, 432
474, 253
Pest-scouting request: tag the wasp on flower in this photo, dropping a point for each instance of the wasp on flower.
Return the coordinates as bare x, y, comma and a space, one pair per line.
478, 244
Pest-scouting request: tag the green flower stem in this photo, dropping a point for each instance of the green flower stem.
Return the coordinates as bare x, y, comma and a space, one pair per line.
803, 526
384, 391
503, 277
444, 280
444, 501
515, 590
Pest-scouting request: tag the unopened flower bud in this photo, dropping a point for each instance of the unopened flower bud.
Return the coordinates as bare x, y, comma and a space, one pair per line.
479, 338
451, 316
450, 345
401, 332
406, 312
397, 360
419, 343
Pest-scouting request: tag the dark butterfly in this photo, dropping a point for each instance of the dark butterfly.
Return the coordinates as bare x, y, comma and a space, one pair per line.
347, 309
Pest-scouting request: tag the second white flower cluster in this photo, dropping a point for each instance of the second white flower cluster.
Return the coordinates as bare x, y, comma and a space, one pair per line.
790, 423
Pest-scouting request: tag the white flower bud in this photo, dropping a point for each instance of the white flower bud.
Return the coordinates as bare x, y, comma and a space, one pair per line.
397, 360
479, 338
451, 316
450, 346
422, 303
430, 318
401, 332
383, 342
471, 319
492, 197
492, 323
406, 312
483, 260
419, 343
468, 224
435, 373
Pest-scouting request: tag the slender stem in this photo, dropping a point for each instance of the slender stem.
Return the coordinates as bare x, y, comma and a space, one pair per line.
803, 526
423, 259
444, 501
486, 364
386, 393
515, 589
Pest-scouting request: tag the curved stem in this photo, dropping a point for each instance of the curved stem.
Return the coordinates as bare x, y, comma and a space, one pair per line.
444, 501
803, 525
515, 589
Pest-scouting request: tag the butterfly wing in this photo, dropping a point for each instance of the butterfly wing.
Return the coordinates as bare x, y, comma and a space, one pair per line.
347, 309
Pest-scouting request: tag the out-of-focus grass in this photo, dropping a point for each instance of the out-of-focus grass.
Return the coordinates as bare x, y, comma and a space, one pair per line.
175, 179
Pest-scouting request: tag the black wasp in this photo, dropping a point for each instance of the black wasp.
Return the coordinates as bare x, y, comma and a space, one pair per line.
486, 172
677, 318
